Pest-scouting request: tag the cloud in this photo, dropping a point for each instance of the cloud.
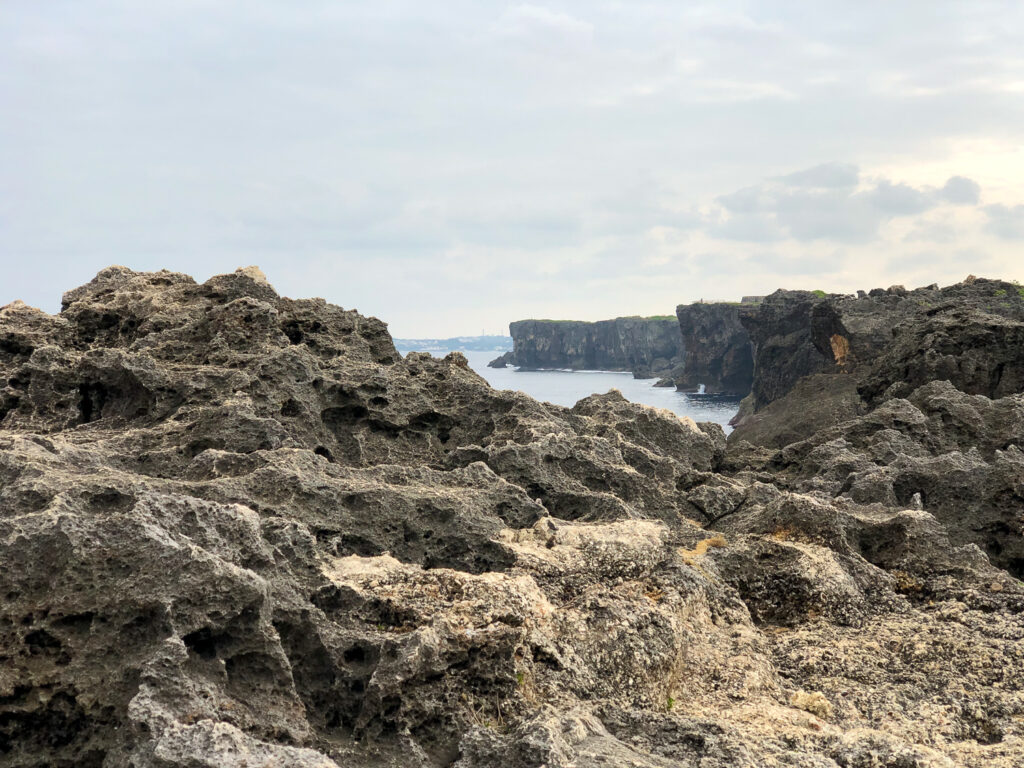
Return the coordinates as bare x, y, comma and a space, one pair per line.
746, 200
932, 232
749, 227
535, 23
792, 264
829, 215
827, 175
960, 190
1006, 222
827, 202
898, 199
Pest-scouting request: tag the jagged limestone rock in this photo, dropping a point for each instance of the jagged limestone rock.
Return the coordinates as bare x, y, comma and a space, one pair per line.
241, 530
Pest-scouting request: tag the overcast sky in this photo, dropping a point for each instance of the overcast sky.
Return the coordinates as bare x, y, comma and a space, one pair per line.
453, 165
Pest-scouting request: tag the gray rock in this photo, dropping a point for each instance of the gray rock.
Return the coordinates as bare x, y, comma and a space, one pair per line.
238, 529
717, 351
647, 346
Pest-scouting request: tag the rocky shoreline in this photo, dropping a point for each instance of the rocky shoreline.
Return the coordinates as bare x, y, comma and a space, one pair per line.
241, 530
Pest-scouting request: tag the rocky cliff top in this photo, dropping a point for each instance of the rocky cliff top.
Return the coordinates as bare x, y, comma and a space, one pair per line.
240, 530
887, 342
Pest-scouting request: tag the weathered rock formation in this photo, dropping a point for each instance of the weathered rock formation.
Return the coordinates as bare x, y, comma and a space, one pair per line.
241, 530
647, 346
889, 342
504, 360
717, 351
956, 455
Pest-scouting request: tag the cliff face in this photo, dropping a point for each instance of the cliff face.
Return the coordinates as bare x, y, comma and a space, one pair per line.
241, 530
717, 351
784, 349
646, 346
888, 343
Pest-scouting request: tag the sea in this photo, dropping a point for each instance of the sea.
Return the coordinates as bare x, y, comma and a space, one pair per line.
568, 387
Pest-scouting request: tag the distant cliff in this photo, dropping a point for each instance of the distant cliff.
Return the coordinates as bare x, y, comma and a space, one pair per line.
717, 352
646, 346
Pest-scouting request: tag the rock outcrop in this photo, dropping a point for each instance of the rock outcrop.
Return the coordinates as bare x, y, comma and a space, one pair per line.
241, 530
955, 455
717, 351
646, 346
889, 342
504, 360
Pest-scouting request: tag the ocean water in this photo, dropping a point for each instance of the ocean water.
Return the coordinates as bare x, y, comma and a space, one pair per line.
568, 387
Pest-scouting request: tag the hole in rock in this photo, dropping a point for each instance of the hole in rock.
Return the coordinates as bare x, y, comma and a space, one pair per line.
92, 398
989, 733
41, 642
126, 397
56, 733
16, 347
333, 695
391, 706
7, 405
202, 642
76, 622
291, 408
111, 500
1015, 565
355, 655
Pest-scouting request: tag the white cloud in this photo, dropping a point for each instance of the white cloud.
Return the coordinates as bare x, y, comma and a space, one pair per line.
961, 191
1005, 221
535, 23
828, 202
827, 175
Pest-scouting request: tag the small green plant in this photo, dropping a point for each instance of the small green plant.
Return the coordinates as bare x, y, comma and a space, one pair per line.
1001, 292
819, 293
670, 703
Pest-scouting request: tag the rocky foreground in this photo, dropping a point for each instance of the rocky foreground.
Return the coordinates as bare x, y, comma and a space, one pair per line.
241, 530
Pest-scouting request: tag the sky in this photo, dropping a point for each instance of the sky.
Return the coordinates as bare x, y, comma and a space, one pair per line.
453, 165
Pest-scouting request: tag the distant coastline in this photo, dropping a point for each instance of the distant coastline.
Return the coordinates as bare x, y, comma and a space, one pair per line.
470, 343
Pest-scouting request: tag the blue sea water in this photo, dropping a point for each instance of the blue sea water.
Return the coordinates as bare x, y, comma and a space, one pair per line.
567, 387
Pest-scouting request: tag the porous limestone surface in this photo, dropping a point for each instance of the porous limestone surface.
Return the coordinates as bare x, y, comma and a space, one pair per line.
240, 530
